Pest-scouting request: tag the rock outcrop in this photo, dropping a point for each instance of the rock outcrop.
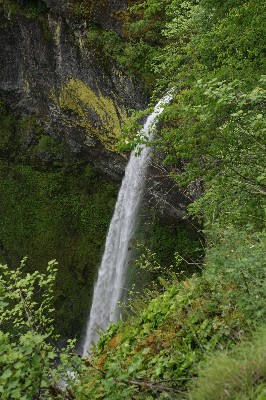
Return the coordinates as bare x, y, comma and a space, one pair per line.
102, 12
51, 73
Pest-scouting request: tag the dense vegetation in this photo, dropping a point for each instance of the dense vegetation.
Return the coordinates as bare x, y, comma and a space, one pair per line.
54, 205
199, 337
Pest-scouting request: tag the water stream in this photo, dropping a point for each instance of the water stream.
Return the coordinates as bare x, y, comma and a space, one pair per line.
110, 284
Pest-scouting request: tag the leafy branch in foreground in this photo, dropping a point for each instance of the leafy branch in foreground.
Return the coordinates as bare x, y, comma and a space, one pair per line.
31, 363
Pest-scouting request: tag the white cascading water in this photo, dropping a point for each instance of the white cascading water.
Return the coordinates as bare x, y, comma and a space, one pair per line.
109, 286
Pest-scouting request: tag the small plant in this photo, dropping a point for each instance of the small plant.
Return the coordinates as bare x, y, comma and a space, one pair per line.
29, 354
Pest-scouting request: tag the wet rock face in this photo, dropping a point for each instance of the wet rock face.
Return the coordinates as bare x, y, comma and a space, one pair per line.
27, 66
165, 196
50, 73
103, 12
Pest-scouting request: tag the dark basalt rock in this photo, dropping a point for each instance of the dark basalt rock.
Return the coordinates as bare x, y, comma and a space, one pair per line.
165, 196
102, 12
38, 57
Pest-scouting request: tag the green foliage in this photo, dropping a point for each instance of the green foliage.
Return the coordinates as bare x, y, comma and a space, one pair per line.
19, 291
214, 132
214, 129
154, 353
226, 145
7, 131
31, 9
160, 251
169, 337
29, 358
64, 216
167, 240
221, 126
238, 374
83, 10
110, 47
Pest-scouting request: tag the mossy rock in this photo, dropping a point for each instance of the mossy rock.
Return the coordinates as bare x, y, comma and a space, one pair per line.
98, 114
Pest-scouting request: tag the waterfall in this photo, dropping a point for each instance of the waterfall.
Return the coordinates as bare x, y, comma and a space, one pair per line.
109, 286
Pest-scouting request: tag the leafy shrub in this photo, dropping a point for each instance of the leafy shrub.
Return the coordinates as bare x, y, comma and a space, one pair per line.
169, 337
29, 358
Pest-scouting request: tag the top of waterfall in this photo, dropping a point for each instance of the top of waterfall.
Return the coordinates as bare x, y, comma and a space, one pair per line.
163, 101
147, 130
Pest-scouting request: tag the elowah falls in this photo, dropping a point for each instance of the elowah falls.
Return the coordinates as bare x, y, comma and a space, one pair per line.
132, 276
112, 273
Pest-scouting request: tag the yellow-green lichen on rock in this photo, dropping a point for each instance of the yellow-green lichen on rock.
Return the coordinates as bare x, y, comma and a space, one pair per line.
98, 114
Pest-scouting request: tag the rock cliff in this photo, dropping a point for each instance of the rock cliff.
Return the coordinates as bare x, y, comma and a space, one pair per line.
103, 12
58, 83
51, 73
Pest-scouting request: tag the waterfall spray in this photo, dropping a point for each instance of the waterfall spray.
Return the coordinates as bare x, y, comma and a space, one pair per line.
108, 289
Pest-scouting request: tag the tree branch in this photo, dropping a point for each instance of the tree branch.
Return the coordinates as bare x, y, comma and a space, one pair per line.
142, 383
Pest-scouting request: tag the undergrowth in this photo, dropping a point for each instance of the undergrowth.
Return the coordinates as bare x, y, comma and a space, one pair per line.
167, 338
239, 374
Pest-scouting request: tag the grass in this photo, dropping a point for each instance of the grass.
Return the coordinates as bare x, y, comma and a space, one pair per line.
239, 374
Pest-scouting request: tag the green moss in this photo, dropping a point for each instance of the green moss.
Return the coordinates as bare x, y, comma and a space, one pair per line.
25, 141
7, 131
80, 99
55, 215
52, 206
29, 126
32, 9
84, 9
